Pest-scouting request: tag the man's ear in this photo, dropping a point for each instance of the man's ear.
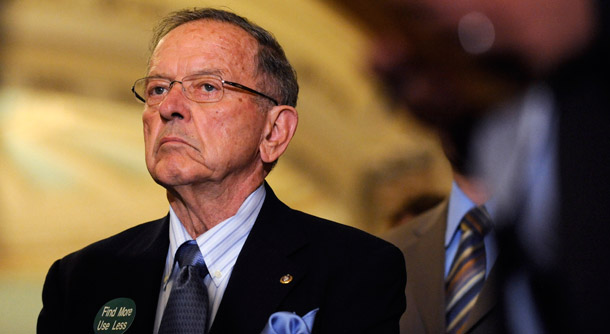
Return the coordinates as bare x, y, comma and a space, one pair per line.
280, 127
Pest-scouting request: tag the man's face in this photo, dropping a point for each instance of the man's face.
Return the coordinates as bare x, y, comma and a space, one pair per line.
187, 142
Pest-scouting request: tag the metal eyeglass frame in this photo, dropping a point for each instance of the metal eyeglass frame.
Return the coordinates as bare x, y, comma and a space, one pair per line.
224, 82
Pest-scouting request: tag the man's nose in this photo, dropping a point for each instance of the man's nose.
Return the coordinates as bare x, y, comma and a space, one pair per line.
175, 104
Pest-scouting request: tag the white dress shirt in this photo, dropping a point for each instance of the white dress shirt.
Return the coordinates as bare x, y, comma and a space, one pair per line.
219, 246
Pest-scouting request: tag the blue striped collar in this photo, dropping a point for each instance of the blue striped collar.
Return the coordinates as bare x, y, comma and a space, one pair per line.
221, 244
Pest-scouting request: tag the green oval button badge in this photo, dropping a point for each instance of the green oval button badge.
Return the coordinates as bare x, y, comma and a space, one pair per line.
115, 316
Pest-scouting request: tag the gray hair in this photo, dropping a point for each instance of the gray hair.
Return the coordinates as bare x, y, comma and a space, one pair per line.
279, 77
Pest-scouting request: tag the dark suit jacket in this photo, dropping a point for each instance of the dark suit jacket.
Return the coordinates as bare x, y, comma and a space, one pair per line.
355, 279
571, 289
422, 242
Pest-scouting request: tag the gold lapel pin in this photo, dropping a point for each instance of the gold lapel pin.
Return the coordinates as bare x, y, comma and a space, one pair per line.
286, 279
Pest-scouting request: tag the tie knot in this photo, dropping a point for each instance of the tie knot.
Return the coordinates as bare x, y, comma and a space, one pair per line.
476, 220
189, 255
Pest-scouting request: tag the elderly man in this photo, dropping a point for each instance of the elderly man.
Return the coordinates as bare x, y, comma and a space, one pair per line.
219, 111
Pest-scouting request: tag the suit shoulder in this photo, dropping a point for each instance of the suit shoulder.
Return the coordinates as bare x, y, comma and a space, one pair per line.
337, 235
121, 244
410, 231
284, 219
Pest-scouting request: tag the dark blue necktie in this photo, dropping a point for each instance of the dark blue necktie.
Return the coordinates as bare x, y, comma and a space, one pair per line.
186, 311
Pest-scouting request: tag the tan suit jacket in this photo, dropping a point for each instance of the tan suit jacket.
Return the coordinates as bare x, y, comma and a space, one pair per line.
422, 242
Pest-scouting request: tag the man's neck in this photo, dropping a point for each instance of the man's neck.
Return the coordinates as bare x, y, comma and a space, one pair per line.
472, 187
201, 207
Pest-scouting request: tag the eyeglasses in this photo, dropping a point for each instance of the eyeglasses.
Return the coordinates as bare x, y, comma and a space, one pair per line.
199, 88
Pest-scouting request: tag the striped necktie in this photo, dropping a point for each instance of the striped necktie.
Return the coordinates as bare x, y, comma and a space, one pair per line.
467, 273
186, 311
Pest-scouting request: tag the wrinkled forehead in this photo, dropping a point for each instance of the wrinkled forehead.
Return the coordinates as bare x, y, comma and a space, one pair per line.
205, 45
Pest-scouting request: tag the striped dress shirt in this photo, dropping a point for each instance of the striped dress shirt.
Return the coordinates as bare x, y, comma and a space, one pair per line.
219, 246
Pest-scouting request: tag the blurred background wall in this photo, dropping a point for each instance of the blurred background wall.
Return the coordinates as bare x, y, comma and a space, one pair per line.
71, 153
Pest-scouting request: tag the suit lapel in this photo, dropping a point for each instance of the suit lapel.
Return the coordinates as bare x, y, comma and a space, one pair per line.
155, 253
485, 302
130, 265
146, 262
254, 290
425, 269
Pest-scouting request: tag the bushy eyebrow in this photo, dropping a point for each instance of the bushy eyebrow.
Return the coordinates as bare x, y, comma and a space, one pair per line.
207, 72
216, 72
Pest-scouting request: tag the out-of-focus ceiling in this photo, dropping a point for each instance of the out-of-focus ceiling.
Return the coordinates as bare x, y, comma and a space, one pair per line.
73, 168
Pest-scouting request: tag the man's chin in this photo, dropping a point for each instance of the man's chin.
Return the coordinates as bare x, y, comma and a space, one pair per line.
173, 178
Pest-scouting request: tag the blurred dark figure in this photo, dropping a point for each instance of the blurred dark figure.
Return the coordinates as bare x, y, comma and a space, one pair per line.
414, 207
537, 72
